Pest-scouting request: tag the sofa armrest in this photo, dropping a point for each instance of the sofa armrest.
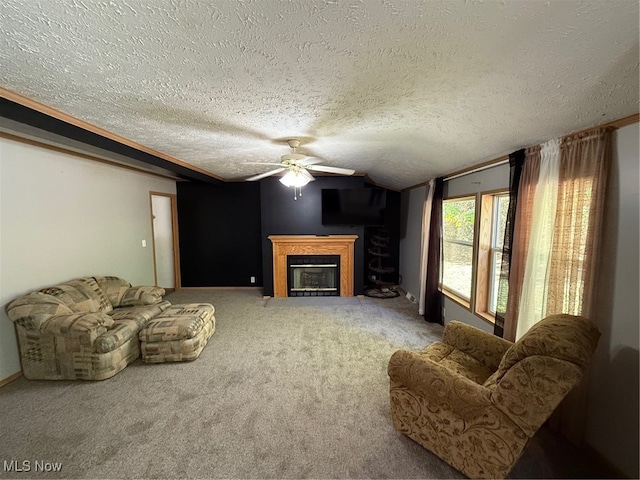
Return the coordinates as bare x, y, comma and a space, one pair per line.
32, 310
484, 347
433, 380
141, 295
77, 323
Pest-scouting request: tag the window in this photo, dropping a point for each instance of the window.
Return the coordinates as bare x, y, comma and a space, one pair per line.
472, 240
500, 204
458, 228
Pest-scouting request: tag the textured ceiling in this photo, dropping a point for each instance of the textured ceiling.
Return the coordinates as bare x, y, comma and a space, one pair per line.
400, 90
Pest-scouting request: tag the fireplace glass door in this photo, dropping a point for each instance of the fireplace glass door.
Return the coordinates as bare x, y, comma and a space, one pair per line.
313, 275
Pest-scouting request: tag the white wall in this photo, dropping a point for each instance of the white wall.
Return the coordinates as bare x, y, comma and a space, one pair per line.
612, 425
62, 217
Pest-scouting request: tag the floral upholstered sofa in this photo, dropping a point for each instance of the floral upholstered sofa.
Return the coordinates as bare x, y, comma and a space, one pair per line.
85, 328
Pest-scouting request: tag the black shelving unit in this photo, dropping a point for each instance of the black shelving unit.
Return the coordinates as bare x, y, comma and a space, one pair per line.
378, 268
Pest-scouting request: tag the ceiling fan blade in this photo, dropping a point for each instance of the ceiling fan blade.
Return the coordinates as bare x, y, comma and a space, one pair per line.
263, 175
324, 168
309, 161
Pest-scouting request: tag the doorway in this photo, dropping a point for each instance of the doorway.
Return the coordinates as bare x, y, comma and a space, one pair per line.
164, 228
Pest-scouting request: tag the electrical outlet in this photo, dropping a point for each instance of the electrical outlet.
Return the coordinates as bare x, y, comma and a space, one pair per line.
144, 243
253, 279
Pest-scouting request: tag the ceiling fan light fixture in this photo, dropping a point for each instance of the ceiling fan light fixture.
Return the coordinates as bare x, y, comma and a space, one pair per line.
296, 167
295, 179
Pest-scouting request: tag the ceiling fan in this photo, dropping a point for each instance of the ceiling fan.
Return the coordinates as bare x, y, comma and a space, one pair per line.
297, 168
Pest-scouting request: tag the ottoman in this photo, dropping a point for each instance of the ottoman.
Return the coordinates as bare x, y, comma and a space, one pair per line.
178, 334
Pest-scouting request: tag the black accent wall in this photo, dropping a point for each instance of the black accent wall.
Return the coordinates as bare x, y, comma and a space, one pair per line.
219, 230
224, 229
282, 215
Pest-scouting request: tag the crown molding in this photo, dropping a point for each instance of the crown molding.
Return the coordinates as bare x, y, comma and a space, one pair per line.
615, 124
71, 120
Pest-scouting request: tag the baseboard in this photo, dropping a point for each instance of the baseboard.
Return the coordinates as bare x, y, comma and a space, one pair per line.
217, 288
10, 379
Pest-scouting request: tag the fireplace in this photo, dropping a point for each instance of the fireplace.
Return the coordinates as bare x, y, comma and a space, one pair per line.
313, 275
339, 246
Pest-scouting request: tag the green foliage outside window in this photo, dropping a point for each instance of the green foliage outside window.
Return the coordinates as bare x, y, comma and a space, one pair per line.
458, 222
459, 219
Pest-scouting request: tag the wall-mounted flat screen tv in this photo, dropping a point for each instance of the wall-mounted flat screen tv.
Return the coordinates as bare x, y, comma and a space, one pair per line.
353, 206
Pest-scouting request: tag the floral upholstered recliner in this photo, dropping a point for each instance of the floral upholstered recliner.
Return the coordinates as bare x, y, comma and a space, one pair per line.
83, 329
475, 399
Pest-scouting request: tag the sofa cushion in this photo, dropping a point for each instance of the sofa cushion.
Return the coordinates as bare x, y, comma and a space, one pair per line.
33, 309
114, 288
140, 314
187, 349
81, 295
177, 323
457, 361
127, 323
142, 295
121, 332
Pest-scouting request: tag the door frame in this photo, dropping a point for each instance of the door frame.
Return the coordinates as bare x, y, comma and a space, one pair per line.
174, 230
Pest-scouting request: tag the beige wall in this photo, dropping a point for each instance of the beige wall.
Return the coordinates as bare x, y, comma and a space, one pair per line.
612, 426
61, 217
411, 239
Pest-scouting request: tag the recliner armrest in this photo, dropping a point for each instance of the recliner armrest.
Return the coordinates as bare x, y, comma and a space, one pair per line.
531, 390
430, 379
484, 347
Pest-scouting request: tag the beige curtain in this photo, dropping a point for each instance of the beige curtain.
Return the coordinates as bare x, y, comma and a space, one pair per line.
521, 235
535, 285
585, 161
584, 169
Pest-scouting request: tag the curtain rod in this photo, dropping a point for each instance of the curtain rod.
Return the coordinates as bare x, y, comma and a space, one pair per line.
493, 163
621, 122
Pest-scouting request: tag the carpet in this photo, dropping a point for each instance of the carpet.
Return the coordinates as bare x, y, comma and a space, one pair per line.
282, 390
294, 302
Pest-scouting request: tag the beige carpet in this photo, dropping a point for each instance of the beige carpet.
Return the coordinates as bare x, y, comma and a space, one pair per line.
291, 388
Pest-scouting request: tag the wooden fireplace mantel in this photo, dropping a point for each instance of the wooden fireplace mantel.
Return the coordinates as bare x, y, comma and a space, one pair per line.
284, 245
